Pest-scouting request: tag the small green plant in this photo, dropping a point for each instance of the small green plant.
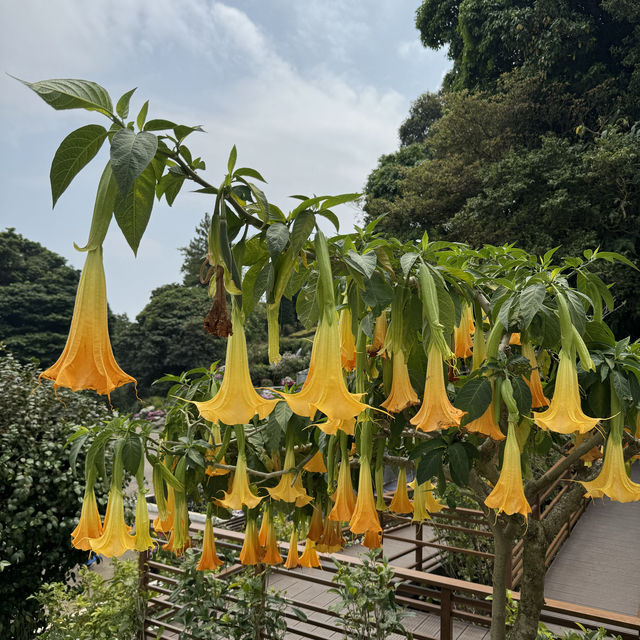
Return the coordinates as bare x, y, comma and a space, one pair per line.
584, 634
96, 608
367, 605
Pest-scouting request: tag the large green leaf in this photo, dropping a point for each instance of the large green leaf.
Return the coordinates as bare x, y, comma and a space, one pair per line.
131, 153
474, 397
72, 94
74, 152
133, 212
459, 464
301, 230
364, 264
531, 299
277, 238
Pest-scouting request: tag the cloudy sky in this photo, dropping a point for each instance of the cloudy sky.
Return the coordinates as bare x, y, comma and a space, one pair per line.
311, 92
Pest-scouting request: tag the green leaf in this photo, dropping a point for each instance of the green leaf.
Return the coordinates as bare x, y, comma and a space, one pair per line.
159, 125
459, 464
132, 213
334, 201
364, 264
425, 448
232, 159
503, 314
474, 397
74, 153
75, 449
598, 335
377, 293
122, 108
170, 479
430, 465
622, 388
277, 238
169, 185
531, 299
142, 116
132, 454
576, 310
522, 395
248, 171
329, 215
131, 154
70, 93
302, 227
407, 261
282, 414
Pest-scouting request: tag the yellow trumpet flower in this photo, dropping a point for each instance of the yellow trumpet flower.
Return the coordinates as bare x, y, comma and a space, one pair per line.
90, 524
436, 411
372, 539
538, 399
332, 425
508, 494
316, 464
209, 559
287, 490
400, 502
365, 517
143, 540
347, 341
210, 455
325, 389
332, 539
379, 334
115, 538
402, 394
271, 553
293, 559
486, 424
309, 557
315, 526
251, 552
565, 414
345, 495
424, 502
462, 333
236, 402
164, 526
87, 360
240, 493
514, 338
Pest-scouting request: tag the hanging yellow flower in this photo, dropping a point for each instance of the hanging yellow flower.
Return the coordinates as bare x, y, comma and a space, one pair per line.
293, 559
365, 517
565, 414
210, 455
345, 495
514, 339
332, 539
402, 394
331, 426
424, 502
209, 559
236, 402
143, 539
164, 526
315, 526
115, 538
376, 348
400, 502
462, 333
508, 494
486, 424
538, 399
372, 539
240, 493
309, 557
325, 389
90, 524
436, 411
271, 553
286, 490
316, 464
347, 341
251, 552
87, 360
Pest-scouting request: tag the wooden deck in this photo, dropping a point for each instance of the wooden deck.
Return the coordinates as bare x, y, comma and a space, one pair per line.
599, 565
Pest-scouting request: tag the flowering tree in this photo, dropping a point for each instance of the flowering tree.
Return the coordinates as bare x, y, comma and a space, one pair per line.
477, 331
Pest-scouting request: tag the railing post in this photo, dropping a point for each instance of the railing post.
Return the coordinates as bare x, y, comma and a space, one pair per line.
143, 581
446, 626
419, 546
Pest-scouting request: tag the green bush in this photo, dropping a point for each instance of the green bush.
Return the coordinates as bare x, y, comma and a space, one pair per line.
96, 608
40, 496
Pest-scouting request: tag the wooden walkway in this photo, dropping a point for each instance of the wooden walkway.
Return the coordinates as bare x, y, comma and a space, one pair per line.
599, 565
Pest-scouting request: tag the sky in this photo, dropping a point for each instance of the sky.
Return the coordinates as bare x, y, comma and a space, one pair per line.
311, 92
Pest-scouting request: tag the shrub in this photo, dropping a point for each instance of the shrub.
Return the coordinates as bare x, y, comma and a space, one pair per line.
96, 608
40, 495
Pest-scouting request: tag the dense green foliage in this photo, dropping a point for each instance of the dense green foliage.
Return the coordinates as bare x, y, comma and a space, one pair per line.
535, 144
37, 292
39, 492
95, 608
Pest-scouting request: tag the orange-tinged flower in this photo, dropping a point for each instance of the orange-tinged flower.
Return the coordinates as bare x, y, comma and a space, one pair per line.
87, 360
538, 399
293, 559
332, 539
379, 334
462, 334
565, 414
365, 517
90, 524
309, 557
236, 402
372, 539
486, 424
424, 502
400, 502
436, 411
508, 494
345, 495
209, 559
210, 455
271, 553
593, 454
251, 552
402, 394
381, 505
164, 526
115, 538
143, 540
347, 341
332, 425
179, 540
240, 493
287, 490
315, 526
316, 464
325, 389
177, 547
514, 338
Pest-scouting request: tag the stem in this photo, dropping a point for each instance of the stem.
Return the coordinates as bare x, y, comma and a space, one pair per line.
502, 552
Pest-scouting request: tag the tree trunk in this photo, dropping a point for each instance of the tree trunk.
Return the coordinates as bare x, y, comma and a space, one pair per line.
503, 549
532, 587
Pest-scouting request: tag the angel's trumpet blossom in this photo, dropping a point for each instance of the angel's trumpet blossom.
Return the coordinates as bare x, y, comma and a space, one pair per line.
210, 455
345, 496
271, 553
372, 539
209, 559
315, 526
143, 539
251, 552
240, 494
436, 411
462, 333
309, 557
424, 502
287, 490
538, 399
402, 394
379, 335
565, 414
90, 524
236, 402
365, 517
87, 360
293, 559
486, 424
508, 494
316, 464
400, 502
332, 539
347, 341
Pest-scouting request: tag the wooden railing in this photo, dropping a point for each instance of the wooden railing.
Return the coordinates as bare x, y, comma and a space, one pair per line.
448, 598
